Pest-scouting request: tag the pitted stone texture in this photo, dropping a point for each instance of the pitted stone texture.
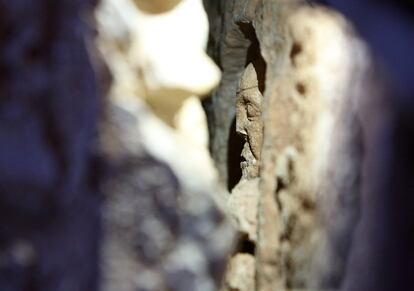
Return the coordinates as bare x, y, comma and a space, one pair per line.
243, 203
240, 274
310, 126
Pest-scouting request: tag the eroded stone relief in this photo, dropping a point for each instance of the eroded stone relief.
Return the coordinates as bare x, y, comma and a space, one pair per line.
249, 123
296, 133
244, 197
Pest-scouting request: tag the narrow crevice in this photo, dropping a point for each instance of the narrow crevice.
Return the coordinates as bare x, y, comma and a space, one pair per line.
254, 55
235, 147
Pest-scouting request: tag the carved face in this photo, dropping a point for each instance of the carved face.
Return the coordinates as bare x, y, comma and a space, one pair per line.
249, 122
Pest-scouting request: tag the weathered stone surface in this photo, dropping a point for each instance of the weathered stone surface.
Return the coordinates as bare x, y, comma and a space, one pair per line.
243, 202
322, 85
240, 274
312, 61
249, 122
316, 85
387, 127
231, 37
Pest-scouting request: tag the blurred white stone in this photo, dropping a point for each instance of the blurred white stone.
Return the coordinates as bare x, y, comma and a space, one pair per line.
164, 53
158, 57
170, 51
191, 122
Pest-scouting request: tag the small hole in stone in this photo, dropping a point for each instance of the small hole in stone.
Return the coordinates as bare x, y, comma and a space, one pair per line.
308, 205
296, 50
301, 88
246, 246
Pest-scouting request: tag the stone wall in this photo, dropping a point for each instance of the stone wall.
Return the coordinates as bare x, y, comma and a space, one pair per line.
290, 150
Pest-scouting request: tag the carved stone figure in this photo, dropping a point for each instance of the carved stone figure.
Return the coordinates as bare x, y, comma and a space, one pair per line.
244, 198
249, 122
